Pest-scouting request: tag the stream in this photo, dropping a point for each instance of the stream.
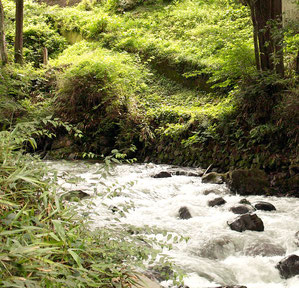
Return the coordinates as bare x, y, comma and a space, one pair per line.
214, 255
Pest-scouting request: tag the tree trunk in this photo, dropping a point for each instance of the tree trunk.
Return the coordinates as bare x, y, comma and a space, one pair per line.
19, 31
3, 52
267, 21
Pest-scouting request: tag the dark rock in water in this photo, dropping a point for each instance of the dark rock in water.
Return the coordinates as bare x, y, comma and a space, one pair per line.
244, 201
247, 222
266, 206
297, 238
264, 249
248, 182
216, 202
288, 266
184, 213
210, 191
213, 178
187, 173
162, 174
241, 209
74, 195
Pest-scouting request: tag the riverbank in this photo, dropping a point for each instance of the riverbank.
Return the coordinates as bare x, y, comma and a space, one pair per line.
132, 87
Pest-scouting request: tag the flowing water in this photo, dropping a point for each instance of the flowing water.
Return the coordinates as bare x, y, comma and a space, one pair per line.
214, 255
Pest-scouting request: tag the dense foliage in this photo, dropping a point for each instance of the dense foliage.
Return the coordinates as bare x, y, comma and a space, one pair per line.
164, 81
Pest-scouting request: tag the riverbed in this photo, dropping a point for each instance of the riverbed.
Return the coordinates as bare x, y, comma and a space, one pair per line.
214, 254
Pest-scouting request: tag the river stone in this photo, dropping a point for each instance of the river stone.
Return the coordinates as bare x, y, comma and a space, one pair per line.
184, 213
241, 209
297, 238
288, 266
162, 174
266, 206
216, 202
247, 222
248, 182
244, 201
264, 249
210, 191
217, 248
213, 178
75, 195
186, 173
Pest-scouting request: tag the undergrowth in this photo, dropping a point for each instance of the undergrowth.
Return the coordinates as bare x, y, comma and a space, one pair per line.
44, 242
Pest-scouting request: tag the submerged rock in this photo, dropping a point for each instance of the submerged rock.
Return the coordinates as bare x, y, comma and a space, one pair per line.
266, 206
213, 178
241, 209
162, 174
216, 202
264, 249
247, 222
288, 266
74, 195
217, 248
248, 182
184, 213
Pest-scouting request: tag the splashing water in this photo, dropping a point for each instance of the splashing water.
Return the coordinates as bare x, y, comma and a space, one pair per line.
214, 255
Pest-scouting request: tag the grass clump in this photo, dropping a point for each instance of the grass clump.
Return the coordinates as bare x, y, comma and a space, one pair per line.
98, 89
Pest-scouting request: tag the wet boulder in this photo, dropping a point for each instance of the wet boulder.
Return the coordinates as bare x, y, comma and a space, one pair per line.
248, 182
162, 174
188, 173
213, 178
74, 195
184, 213
216, 202
211, 191
288, 266
247, 222
244, 201
265, 206
241, 209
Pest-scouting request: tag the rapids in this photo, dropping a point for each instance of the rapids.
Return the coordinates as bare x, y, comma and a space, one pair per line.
214, 255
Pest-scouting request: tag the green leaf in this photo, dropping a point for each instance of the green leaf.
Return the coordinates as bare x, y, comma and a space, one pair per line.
75, 257
59, 229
